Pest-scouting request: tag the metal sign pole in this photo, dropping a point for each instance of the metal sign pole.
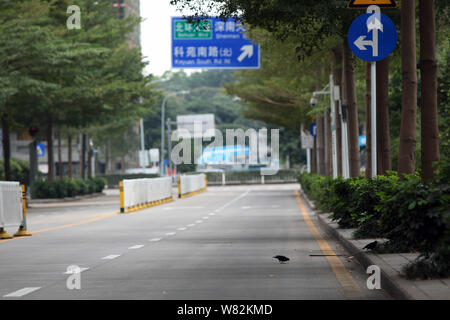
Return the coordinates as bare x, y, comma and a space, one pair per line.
333, 127
373, 72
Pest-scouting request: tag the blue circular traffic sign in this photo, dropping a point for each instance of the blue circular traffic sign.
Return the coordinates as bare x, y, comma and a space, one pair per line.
372, 36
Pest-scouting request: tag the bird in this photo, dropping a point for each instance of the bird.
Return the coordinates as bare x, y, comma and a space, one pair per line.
281, 259
371, 246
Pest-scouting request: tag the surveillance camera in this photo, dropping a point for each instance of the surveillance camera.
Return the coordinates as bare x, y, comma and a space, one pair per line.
313, 102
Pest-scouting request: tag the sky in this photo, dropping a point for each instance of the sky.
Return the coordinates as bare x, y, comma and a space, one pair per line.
155, 34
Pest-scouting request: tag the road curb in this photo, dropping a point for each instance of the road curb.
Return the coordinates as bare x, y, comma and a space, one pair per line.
390, 284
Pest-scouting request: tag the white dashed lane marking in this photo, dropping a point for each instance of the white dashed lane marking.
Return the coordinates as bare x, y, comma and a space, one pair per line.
170, 233
21, 292
181, 229
111, 256
73, 271
155, 239
138, 246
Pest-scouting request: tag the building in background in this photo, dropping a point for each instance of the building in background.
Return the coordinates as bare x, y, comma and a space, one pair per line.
127, 8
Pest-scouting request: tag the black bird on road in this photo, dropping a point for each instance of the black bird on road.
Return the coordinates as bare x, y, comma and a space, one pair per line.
371, 246
282, 259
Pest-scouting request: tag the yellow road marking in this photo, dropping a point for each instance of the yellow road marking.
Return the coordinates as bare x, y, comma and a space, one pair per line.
65, 226
351, 288
72, 204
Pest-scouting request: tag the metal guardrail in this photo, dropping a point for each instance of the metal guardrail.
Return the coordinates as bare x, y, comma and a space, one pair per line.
190, 184
143, 193
12, 209
251, 177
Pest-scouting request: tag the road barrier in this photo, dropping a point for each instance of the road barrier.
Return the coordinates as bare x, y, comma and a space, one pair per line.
252, 177
12, 209
191, 184
139, 194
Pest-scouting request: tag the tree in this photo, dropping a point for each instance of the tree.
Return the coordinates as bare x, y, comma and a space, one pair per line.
23, 25
428, 86
407, 149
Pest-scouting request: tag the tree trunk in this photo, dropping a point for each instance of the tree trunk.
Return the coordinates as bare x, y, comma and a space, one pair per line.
337, 71
383, 136
352, 111
89, 154
368, 172
407, 150
83, 156
428, 90
60, 164
6, 147
50, 155
69, 154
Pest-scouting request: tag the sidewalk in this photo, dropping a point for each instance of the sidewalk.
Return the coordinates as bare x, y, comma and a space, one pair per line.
390, 264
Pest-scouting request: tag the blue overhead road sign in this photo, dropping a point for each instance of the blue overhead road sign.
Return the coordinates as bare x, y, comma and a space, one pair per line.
372, 36
213, 44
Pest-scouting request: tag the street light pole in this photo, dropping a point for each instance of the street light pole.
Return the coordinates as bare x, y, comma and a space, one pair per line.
141, 126
332, 92
163, 111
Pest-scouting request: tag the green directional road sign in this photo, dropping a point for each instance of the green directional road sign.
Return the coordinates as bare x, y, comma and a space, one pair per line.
183, 30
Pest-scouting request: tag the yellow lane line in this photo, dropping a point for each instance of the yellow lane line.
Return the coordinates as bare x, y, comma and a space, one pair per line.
351, 288
65, 226
71, 204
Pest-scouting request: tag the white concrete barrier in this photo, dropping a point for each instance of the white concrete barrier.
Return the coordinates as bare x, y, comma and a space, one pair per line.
190, 184
142, 193
11, 207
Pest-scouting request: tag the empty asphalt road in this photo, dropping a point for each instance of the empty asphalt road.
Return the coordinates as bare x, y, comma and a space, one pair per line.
214, 245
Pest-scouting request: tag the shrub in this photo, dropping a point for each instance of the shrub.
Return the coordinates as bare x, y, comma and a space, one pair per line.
82, 186
99, 184
413, 216
40, 189
62, 188
20, 171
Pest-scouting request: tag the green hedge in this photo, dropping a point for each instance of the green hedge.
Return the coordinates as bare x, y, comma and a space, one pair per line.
20, 171
413, 216
63, 188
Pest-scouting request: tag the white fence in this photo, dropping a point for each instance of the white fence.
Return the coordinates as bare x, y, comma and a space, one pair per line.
191, 183
11, 208
141, 192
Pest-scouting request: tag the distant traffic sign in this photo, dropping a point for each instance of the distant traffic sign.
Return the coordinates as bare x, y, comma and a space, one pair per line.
212, 44
381, 34
313, 129
358, 4
40, 148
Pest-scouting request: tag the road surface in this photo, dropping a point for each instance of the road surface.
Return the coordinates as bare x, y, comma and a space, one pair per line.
215, 245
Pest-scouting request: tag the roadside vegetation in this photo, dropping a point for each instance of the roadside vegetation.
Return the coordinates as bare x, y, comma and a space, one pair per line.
413, 216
